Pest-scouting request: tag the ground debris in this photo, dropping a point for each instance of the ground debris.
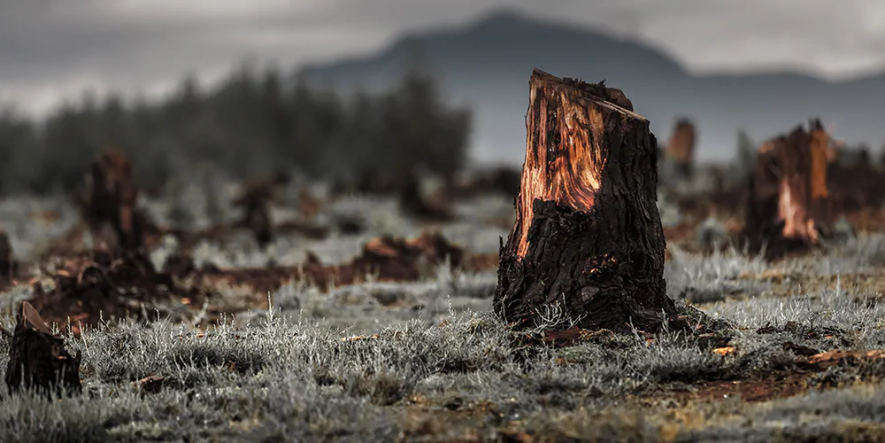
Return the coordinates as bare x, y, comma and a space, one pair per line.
723, 351
800, 350
385, 258
151, 384
713, 341
357, 338
563, 337
832, 358
790, 326
38, 359
86, 288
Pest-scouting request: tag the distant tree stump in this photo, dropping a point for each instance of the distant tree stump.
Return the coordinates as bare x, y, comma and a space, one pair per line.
7, 261
179, 264
258, 220
111, 210
413, 203
788, 193
503, 180
255, 200
881, 163
587, 234
680, 148
855, 185
38, 359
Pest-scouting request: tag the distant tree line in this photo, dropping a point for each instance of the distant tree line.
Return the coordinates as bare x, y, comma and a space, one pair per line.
255, 122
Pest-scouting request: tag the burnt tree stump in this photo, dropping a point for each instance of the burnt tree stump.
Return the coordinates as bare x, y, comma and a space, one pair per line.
680, 148
587, 234
7, 260
111, 213
788, 198
255, 200
38, 360
413, 202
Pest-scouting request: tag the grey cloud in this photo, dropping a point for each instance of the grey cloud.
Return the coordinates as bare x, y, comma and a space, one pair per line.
60, 45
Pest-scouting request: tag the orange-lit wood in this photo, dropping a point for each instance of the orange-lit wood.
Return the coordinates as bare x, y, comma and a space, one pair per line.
789, 193
587, 232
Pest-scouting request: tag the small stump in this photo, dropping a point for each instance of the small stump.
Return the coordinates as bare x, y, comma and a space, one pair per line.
38, 359
587, 235
111, 212
788, 198
7, 260
680, 149
255, 200
413, 203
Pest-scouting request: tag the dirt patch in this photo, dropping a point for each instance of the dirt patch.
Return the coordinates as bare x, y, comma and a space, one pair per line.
769, 388
780, 384
453, 420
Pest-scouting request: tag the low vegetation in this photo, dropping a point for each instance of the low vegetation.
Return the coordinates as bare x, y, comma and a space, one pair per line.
787, 357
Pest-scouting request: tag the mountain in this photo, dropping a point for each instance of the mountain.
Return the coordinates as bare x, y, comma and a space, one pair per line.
486, 65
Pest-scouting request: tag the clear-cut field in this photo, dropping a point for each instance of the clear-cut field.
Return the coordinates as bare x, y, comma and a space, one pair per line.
789, 353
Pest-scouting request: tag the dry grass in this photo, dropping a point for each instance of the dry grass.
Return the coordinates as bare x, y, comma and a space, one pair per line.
426, 361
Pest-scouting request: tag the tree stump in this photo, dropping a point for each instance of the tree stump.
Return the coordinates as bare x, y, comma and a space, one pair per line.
413, 202
855, 185
38, 359
587, 235
503, 180
7, 261
788, 194
255, 200
111, 213
680, 148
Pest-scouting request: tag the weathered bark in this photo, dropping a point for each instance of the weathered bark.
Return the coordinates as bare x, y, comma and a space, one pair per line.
788, 195
680, 148
111, 211
38, 359
587, 234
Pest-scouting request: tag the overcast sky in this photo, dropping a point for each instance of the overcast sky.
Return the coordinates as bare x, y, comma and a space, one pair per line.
54, 49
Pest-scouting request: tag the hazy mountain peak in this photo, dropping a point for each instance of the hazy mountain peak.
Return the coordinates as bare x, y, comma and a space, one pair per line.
502, 17
487, 64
